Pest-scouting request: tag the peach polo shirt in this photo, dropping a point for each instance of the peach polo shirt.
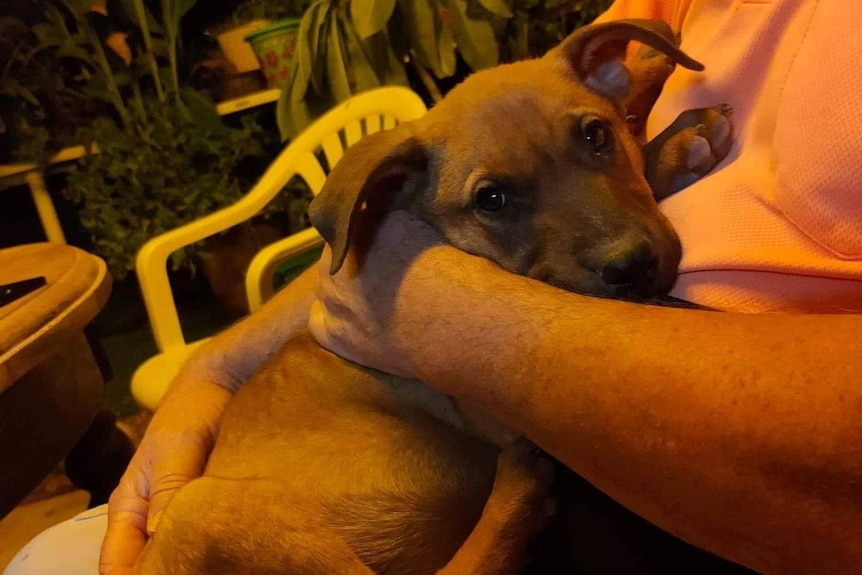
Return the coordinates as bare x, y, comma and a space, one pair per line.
777, 226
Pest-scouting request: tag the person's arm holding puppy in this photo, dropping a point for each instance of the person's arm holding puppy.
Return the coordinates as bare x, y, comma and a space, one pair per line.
740, 433
182, 433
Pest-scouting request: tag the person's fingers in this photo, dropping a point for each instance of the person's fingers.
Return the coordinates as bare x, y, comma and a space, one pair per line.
126, 536
173, 469
124, 542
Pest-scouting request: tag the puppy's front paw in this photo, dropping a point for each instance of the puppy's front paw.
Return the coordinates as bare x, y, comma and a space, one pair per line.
711, 138
522, 497
689, 149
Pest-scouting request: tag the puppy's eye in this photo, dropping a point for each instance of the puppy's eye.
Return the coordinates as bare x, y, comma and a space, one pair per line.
598, 135
490, 197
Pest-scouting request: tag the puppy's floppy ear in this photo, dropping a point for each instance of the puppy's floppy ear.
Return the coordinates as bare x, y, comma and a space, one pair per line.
373, 173
596, 53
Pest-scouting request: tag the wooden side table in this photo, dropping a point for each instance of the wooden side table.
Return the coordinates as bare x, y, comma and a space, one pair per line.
50, 383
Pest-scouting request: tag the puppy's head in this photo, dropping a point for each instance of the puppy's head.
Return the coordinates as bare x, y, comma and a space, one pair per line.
530, 165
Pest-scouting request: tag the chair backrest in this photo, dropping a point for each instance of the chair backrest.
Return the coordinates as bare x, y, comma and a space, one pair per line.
327, 137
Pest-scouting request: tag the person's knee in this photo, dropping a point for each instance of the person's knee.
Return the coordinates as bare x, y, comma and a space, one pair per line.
68, 548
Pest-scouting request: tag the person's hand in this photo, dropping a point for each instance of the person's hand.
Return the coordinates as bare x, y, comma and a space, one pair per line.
174, 451
357, 312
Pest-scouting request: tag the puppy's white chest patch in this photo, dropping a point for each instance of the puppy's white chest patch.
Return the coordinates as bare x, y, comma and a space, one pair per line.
439, 405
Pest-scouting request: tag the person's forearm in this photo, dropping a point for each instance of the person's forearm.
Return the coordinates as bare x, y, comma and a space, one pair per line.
230, 357
739, 433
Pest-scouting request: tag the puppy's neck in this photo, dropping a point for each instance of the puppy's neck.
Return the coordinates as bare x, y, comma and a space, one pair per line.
480, 424
453, 411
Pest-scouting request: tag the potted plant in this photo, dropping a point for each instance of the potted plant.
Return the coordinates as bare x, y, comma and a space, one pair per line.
162, 156
349, 46
42, 100
275, 48
248, 17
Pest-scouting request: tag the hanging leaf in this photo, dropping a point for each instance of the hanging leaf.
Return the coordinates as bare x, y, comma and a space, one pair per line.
181, 7
285, 116
304, 65
202, 111
361, 60
77, 7
130, 10
474, 37
72, 51
308, 43
396, 34
160, 47
294, 112
17, 90
370, 16
446, 63
319, 29
499, 8
47, 34
336, 69
419, 19
377, 51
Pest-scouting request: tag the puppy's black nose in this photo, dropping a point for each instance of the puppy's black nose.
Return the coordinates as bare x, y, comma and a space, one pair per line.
635, 271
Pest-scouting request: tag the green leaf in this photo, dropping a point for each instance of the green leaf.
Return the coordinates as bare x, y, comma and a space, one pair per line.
419, 19
397, 36
446, 63
370, 16
15, 89
336, 69
202, 111
47, 34
130, 10
319, 28
181, 7
294, 112
160, 47
78, 7
362, 61
499, 8
309, 29
475, 37
70, 51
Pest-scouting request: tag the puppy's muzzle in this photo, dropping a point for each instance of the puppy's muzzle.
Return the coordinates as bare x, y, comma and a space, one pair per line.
643, 267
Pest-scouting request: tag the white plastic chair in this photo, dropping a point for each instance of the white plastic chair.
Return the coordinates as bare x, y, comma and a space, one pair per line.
331, 134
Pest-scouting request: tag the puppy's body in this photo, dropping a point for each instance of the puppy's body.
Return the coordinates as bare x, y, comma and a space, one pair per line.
325, 467
316, 445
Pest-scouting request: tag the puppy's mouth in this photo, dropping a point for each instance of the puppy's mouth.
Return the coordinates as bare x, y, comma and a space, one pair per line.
592, 284
599, 290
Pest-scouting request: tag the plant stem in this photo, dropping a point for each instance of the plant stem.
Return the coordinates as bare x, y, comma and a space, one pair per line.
171, 24
138, 100
522, 35
141, 11
427, 81
110, 81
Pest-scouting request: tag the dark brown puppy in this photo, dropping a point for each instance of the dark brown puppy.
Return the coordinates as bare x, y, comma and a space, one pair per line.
323, 467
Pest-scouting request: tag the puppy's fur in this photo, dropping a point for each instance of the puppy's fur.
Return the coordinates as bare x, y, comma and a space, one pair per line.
325, 467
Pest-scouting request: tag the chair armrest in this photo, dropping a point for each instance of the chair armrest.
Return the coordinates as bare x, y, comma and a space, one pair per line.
258, 277
151, 262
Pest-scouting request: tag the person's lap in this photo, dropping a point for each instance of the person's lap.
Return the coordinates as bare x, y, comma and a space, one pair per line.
68, 548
